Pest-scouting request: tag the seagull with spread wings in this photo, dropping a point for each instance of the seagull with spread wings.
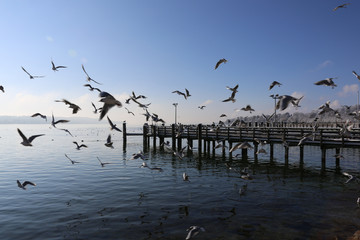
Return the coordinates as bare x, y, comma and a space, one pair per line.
53, 122
22, 185
55, 68
89, 79
341, 6
27, 141
326, 82
31, 76
112, 125
273, 84
109, 101
72, 161
91, 88
223, 60
40, 115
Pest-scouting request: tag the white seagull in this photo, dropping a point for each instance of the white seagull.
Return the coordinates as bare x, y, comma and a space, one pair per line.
193, 231
327, 82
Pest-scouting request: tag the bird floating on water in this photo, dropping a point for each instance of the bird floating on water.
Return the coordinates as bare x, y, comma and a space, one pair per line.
27, 141
223, 60
22, 185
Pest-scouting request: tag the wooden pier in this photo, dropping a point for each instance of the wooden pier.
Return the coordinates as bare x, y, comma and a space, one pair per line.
327, 136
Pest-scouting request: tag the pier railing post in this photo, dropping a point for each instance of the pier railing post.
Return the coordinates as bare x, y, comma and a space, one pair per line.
124, 135
199, 137
173, 137
145, 136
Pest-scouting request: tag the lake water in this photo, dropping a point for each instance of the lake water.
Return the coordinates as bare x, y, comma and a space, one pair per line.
124, 201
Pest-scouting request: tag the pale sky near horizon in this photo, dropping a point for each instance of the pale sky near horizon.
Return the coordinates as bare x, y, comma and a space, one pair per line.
156, 47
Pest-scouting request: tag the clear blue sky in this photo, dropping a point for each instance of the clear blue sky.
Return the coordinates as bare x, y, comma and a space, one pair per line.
156, 47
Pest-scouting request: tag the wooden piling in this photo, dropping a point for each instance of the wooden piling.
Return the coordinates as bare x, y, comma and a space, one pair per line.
271, 151
199, 137
323, 158
124, 136
337, 158
145, 136
173, 137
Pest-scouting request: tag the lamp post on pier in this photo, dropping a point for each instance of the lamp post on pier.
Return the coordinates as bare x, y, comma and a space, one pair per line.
276, 96
175, 105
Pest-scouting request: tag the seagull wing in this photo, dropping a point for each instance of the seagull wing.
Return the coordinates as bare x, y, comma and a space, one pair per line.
82, 65
35, 136
22, 135
26, 71
28, 182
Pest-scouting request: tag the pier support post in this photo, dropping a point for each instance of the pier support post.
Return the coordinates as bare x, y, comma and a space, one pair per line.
173, 137
271, 151
199, 137
301, 154
145, 136
161, 143
323, 158
154, 133
286, 156
223, 149
256, 147
124, 136
208, 148
337, 158
213, 148
179, 143
244, 154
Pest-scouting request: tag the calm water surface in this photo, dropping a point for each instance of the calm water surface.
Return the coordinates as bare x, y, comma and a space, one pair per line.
124, 201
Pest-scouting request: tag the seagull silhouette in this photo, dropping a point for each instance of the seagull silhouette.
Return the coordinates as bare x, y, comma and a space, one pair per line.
2, 88
341, 6
356, 75
78, 147
40, 115
112, 125
193, 231
273, 84
109, 101
129, 112
88, 77
91, 88
55, 68
27, 141
31, 76
102, 163
223, 60
74, 107
109, 143
53, 122
72, 161
22, 185
326, 82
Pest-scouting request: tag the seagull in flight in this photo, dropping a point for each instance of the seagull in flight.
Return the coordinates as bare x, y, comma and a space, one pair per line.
351, 177
140, 154
326, 82
53, 122
341, 6
2, 88
109, 101
88, 77
72, 161
356, 75
273, 84
112, 125
40, 115
109, 143
223, 60
285, 100
91, 88
27, 141
78, 147
180, 93
102, 163
201, 107
185, 177
248, 108
193, 231
243, 145
55, 68
75, 107
31, 76
22, 185
231, 98
130, 112
95, 108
